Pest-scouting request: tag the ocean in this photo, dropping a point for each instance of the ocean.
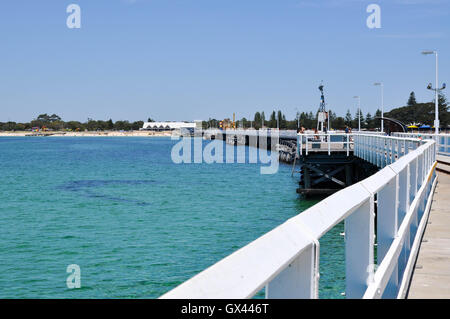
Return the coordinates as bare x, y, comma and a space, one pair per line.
136, 223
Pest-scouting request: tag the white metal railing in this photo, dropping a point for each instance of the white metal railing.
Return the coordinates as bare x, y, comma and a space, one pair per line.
329, 142
442, 140
286, 260
308, 142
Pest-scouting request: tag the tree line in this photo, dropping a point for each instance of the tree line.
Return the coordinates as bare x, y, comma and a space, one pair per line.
422, 113
412, 113
307, 120
54, 122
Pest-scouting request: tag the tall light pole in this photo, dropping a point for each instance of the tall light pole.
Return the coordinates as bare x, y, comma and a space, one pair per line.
437, 90
382, 104
359, 112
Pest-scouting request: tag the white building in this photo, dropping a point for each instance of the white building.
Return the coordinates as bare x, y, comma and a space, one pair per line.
170, 126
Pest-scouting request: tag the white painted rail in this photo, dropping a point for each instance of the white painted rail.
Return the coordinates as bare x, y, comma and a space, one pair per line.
310, 142
442, 140
286, 260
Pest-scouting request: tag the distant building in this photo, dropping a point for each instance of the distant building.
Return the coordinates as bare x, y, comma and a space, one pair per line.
171, 126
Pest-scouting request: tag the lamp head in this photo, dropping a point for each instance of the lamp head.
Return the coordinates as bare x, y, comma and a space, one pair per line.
443, 86
428, 52
430, 86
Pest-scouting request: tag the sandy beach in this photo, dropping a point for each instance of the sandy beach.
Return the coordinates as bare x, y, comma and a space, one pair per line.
87, 134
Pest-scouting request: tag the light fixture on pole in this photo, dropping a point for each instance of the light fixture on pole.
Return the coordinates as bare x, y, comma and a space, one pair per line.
436, 90
359, 112
382, 104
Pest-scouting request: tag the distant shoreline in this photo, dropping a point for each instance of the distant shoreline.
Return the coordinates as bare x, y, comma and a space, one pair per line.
86, 134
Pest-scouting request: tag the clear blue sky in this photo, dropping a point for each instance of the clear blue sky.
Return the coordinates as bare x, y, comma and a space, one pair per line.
195, 59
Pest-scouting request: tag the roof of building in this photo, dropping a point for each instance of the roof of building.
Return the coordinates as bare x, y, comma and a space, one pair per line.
169, 125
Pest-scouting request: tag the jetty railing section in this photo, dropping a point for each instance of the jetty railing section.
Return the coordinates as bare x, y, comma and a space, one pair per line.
286, 260
309, 142
442, 140
328, 142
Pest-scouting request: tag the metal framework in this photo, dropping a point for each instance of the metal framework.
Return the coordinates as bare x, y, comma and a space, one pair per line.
322, 113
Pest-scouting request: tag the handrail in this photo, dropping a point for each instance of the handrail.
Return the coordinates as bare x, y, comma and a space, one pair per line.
442, 140
285, 260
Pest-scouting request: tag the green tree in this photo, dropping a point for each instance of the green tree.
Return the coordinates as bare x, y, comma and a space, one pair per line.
273, 120
412, 99
257, 120
368, 123
348, 118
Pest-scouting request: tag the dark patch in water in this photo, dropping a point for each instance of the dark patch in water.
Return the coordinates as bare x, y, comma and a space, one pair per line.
85, 188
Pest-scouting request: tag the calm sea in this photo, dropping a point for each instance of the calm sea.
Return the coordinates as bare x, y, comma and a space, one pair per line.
136, 223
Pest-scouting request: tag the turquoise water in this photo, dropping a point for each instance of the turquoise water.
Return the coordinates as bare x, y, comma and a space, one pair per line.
136, 223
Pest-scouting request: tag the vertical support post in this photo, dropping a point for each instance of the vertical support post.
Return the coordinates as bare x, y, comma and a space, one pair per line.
329, 144
387, 224
306, 145
403, 195
298, 280
359, 257
306, 177
300, 143
420, 170
412, 179
379, 140
390, 151
348, 145
348, 174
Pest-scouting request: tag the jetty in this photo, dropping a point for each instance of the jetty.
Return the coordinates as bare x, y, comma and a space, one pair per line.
396, 224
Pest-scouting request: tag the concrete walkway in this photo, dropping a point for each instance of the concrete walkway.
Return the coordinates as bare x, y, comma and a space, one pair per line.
431, 276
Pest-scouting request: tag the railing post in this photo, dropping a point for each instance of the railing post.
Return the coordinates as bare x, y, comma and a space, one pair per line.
300, 137
420, 170
412, 179
306, 145
329, 144
387, 223
379, 140
299, 279
359, 241
348, 145
403, 195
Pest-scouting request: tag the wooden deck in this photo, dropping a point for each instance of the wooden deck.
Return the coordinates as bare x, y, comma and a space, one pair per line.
431, 277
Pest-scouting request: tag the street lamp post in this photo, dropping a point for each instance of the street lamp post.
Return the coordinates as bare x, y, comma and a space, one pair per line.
436, 90
359, 112
382, 104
